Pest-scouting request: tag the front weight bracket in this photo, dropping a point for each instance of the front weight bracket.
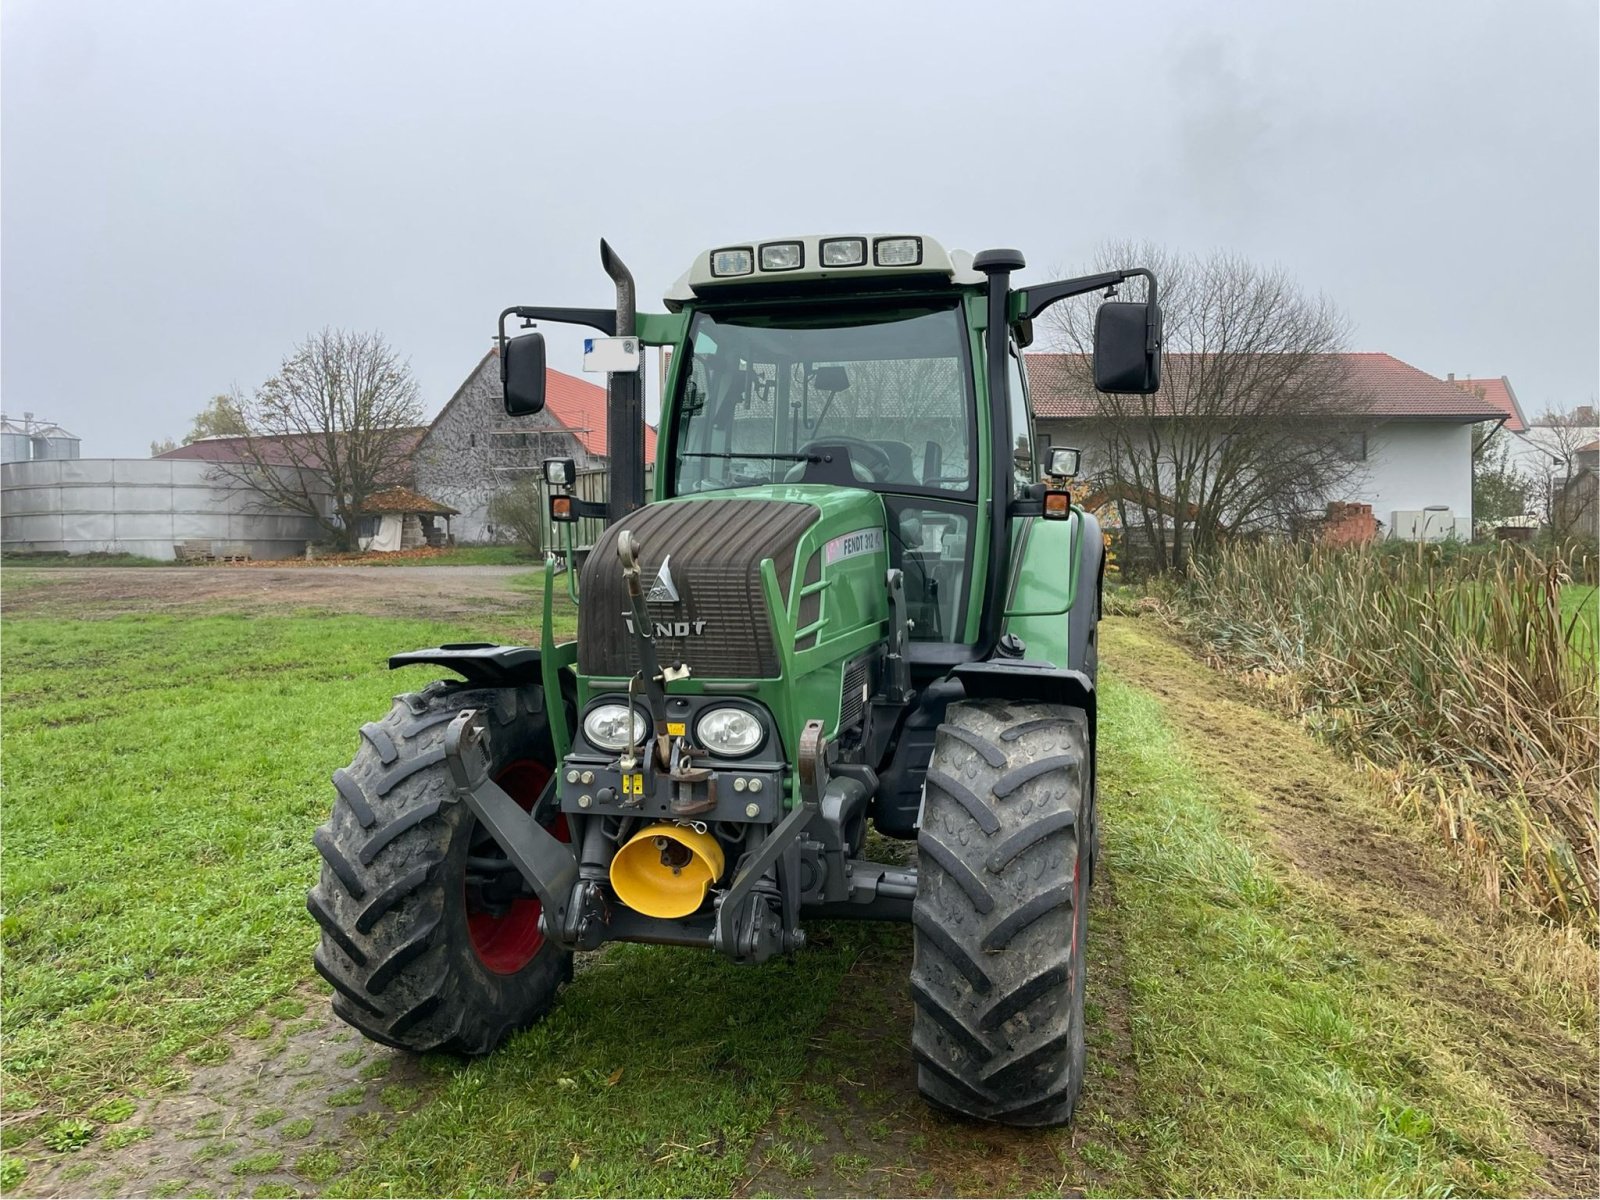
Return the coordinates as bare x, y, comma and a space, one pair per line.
547, 864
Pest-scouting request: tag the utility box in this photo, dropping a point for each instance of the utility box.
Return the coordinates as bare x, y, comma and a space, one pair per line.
1429, 525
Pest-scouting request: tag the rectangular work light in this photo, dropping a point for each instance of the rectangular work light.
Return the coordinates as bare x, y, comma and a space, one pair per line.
844, 252
782, 256
560, 472
736, 260
897, 252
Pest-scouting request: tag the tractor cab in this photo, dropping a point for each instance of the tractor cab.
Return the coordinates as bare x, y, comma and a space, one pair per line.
876, 396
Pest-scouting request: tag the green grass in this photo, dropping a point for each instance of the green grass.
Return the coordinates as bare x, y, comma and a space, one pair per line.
163, 777
1580, 605
706, 1058
1274, 1056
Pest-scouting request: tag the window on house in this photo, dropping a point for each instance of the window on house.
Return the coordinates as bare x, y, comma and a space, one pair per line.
1351, 444
367, 527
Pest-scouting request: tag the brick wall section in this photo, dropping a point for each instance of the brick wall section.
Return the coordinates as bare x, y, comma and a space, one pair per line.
1348, 525
473, 450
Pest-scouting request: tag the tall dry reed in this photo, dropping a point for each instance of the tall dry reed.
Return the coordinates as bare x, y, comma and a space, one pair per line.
1455, 673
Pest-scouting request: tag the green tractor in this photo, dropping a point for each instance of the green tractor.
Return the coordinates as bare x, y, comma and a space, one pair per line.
854, 600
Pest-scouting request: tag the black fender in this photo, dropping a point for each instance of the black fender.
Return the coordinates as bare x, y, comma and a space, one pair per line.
1026, 679
482, 663
1084, 616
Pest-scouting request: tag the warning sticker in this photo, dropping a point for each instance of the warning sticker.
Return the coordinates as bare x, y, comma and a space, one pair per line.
848, 545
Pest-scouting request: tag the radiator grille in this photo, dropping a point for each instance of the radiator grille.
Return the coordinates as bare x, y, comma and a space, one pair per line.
852, 702
716, 548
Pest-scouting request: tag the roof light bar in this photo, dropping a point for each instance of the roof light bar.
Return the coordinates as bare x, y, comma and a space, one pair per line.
844, 252
783, 256
735, 260
897, 251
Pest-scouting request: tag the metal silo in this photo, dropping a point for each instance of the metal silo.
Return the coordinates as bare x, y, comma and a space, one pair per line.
14, 443
54, 442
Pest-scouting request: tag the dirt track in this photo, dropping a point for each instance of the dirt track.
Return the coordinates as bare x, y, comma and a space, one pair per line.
434, 592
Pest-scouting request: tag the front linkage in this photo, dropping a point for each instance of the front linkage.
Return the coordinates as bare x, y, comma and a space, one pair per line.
758, 914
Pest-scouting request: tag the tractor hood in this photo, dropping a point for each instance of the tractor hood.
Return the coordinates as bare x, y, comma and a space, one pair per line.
701, 560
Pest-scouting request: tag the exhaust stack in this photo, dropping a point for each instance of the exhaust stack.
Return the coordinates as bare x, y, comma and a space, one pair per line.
624, 402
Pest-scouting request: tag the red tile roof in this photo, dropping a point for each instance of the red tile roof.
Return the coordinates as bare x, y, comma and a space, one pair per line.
581, 407
1379, 385
1498, 393
278, 450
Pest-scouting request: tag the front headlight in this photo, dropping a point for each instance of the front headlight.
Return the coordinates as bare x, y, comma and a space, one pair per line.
730, 732
608, 726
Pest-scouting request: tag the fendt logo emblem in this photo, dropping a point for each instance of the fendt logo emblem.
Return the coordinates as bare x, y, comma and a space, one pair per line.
663, 589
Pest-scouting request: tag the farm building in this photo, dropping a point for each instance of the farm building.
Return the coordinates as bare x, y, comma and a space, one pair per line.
473, 450
1410, 434
399, 519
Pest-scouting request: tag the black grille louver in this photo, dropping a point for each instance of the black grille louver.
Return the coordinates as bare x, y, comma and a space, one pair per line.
852, 694
716, 548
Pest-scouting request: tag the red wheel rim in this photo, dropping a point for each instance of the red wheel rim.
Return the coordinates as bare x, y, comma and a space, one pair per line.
508, 942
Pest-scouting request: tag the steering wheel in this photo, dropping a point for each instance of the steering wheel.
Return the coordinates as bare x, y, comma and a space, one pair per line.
874, 460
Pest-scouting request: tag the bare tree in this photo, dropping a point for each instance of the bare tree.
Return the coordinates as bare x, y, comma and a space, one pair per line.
1257, 421
1564, 495
334, 426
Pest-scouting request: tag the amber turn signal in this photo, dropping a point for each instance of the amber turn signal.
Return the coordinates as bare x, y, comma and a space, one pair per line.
561, 508
1057, 505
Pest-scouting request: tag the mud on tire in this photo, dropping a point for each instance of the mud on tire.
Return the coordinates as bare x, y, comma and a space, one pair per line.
411, 942
999, 919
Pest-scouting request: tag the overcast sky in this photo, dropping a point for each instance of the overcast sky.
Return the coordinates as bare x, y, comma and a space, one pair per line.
189, 188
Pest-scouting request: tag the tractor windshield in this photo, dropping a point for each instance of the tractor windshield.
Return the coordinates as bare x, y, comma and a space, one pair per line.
762, 391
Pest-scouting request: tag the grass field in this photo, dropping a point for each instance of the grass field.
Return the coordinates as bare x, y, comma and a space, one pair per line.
1580, 607
1288, 994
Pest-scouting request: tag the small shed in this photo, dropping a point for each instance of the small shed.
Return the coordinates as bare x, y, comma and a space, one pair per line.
399, 519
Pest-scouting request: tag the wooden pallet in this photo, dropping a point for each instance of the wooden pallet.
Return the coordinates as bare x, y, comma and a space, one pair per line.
198, 553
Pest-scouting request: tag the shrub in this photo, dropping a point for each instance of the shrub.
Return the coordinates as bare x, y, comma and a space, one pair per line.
1471, 677
519, 511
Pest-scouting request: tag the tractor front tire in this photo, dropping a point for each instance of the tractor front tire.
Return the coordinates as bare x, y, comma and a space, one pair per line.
427, 940
999, 920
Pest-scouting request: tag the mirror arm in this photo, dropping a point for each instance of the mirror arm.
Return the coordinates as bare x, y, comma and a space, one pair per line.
1041, 296
602, 319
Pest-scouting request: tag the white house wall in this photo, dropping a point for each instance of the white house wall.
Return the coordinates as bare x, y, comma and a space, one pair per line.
1410, 465
1413, 465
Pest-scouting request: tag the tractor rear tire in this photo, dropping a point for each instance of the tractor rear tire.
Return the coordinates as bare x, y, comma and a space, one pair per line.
426, 951
999, 921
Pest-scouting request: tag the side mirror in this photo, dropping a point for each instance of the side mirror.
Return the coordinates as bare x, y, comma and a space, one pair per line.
1127, 349
522, 374
1062, 462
